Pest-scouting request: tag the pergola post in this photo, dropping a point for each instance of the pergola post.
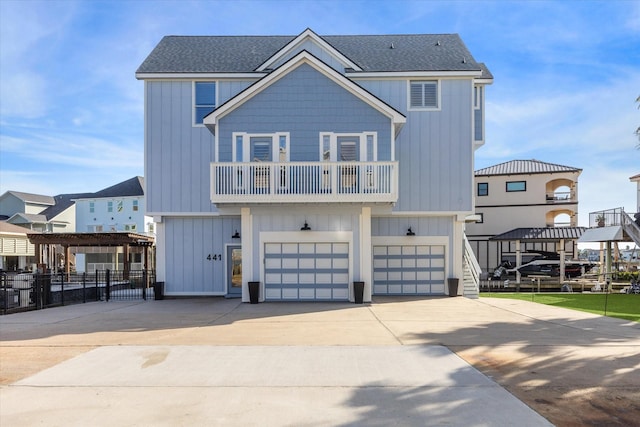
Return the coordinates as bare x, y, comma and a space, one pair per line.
125, 261
67, 259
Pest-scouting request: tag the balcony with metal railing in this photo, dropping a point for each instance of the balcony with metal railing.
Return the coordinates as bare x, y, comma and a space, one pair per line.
304, 182
560, 197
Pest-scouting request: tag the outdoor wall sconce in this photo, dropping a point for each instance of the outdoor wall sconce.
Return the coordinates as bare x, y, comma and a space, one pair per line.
305, 227
236, 235
410, 232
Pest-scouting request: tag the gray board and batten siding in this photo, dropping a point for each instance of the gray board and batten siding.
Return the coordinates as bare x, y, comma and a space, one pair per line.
435, 158
197, 254
304, 103
433, 176
177, 153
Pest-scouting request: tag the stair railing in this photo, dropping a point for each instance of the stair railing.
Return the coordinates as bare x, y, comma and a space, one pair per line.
472, 264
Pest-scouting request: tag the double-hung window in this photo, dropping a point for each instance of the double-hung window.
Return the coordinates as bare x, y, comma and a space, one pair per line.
424, 95
204, 100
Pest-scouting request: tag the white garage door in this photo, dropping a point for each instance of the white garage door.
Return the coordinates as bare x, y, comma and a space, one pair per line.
306, 271
408, 270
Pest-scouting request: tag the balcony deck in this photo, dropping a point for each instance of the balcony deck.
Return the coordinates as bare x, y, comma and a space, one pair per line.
304, 182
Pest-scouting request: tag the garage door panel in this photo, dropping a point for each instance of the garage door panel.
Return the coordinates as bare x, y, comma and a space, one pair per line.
307, 271
408, 270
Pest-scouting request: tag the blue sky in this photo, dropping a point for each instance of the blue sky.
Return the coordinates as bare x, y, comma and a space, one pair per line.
566, 76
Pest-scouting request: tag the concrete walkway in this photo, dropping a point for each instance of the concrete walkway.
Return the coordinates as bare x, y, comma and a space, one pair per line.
220, 362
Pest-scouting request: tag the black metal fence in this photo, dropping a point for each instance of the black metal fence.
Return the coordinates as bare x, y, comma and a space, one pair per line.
34, 291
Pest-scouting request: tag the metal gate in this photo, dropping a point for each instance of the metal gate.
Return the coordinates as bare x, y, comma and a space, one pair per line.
127, 285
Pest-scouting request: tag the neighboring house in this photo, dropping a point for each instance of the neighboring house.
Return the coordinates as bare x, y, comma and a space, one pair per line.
16, 252
119, 208
310, 162
40, 213
527, 201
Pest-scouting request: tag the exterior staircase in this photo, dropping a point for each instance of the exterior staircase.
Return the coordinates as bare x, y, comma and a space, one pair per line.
630, 227
471, 272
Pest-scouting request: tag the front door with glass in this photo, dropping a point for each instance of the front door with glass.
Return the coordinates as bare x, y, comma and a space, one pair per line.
234, 271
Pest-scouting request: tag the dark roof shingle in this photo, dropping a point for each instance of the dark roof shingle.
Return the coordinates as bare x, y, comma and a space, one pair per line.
372, 53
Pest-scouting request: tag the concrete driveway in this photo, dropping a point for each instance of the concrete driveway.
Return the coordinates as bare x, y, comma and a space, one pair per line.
215, 361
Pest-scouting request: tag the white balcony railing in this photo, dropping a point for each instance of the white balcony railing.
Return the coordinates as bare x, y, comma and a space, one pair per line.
301, 182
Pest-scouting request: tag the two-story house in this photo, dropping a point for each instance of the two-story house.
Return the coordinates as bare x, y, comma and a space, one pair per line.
309, 162
118, 208
39, 213
523, 206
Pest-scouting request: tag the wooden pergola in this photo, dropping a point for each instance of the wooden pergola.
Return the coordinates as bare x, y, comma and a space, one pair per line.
44, 242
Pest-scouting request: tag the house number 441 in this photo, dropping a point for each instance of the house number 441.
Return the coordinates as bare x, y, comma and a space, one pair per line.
214, 257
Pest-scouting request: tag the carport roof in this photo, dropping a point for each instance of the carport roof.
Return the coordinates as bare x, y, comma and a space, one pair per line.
92, 239
541, 234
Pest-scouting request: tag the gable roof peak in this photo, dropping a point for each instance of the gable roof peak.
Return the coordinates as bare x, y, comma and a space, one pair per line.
307, 34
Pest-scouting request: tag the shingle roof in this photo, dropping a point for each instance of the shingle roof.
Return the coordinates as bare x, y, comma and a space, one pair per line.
541, 234
524, 167
63, 202
131, 187
33, 198
373, 53
29, 218
9, 228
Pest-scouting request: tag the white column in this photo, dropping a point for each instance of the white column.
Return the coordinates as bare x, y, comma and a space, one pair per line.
366, 257
247, 254
161, 250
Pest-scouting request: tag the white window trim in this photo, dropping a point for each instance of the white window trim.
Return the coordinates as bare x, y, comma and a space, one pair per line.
193, 100
438, 95
477, 96
246, 145
333, 144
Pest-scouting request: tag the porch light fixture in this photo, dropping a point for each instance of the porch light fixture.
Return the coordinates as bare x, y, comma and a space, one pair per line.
410, 232
236, 235
305, 227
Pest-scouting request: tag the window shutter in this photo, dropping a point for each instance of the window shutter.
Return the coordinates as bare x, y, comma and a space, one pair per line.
424, 94
416, 94
348, 152
262, 151
430, 95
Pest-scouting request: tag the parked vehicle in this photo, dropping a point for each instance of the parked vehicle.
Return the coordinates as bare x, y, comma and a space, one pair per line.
544, 264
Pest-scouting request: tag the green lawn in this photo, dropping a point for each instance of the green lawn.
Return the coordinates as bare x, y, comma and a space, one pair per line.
622, 306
